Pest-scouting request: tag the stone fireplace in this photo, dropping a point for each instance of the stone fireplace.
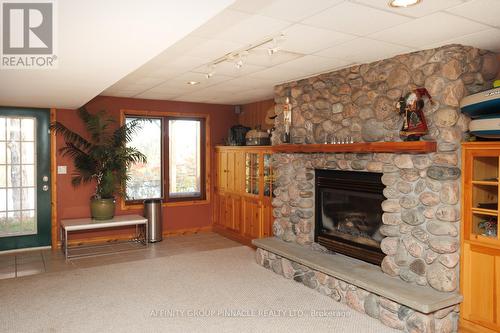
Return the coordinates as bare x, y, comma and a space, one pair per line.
349, 213
420, 209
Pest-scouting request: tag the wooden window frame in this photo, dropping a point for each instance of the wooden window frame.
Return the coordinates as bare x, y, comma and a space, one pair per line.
205, 152
203, 191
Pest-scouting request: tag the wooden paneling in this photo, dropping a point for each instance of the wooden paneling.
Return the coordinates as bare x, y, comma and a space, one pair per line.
53, 182
267, 219
251, 216
254, 114
231, 171
479, 279
222, 171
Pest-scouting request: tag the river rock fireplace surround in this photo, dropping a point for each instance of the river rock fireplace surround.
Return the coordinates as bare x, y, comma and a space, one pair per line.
415, 287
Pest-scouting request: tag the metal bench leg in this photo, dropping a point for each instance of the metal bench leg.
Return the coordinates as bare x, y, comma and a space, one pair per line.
66, 243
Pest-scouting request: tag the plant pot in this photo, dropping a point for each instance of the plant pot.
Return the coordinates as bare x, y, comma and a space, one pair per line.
102, 209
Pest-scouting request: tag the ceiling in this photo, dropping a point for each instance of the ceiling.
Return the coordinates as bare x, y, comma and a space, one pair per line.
100, 42
320, 36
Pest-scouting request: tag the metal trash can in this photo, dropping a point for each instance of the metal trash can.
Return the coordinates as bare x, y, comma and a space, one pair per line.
152, 211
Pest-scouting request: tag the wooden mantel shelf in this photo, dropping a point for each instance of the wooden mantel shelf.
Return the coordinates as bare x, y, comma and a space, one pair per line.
412, 147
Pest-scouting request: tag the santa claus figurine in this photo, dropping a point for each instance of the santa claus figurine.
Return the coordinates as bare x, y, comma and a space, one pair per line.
411, 106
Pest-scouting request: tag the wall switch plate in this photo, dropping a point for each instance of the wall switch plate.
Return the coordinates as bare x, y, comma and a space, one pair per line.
62, 169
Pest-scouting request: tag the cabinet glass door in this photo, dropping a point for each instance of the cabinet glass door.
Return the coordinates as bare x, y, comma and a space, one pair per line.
252, 167
268, 176
485, 196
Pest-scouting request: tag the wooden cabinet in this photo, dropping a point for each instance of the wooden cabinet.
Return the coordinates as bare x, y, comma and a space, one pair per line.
243, 194
480, 242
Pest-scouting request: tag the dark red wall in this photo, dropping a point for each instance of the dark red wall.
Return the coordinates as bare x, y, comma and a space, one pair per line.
74, 202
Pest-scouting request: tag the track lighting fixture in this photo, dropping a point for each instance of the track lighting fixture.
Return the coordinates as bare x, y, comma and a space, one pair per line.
210, 71
237, 57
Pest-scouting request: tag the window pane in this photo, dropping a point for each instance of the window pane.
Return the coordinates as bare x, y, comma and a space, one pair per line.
2, 128
184, 158
145, 179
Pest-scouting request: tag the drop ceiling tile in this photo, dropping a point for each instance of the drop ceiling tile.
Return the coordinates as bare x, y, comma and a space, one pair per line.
169, 88
486, 40
246, 97
122, 93
260, 57
213, 49
422, 9
180, 48
236, 86
182, 80
306, 39
484, 11
252, 29
247, 82
134, 87
310, 64
142, 81
437, 27
176, 66
289, 10
156, 95
364, 50
192, 98
228, 68
278, 74
219, 23
355, 19
251, 6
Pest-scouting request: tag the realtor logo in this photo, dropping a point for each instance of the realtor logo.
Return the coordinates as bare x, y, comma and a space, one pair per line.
27, 34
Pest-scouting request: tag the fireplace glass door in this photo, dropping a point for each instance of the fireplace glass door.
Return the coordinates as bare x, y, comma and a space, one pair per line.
349, 213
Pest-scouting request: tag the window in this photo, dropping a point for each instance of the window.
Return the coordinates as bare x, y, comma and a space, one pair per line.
175, 151
184, 158
146, 179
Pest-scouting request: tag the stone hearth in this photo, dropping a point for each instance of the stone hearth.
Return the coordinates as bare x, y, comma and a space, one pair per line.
421, 219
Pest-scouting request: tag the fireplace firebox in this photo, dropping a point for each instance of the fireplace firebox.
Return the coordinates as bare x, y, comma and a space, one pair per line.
349, 213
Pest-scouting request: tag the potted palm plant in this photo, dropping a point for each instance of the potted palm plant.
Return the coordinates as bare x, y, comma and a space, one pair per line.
101, 156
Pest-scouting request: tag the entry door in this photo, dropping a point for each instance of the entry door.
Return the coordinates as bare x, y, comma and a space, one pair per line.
24, 178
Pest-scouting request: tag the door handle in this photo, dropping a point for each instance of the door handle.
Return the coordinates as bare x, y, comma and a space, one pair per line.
45, 188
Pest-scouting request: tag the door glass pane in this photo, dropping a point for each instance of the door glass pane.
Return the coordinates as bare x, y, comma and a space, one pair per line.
252, 173
14, 222
3, 176
13, 199
2, 128
28, 129
184, 158
3, 200
29, 221
28, 152
485, 168
3, 151
268, 176
17, 176
13, 152
27, 199
28, 175
13, 129
13, 175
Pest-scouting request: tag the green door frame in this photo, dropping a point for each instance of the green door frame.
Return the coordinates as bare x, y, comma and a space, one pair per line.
43, 206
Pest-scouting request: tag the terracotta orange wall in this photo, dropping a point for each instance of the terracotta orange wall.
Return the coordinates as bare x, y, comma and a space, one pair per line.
74, 202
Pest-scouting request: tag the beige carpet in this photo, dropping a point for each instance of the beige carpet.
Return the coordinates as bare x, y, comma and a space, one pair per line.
212, 291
